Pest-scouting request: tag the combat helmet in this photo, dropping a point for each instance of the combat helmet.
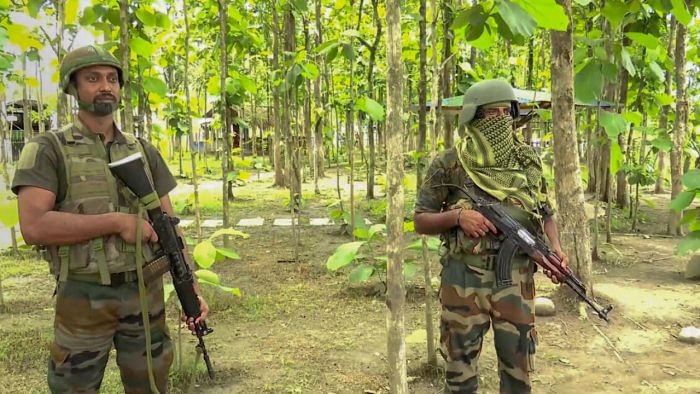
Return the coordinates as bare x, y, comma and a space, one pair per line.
486, 92
86, 56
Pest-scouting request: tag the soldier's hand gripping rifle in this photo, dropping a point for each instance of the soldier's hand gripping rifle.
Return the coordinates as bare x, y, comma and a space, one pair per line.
514, 236
130, 170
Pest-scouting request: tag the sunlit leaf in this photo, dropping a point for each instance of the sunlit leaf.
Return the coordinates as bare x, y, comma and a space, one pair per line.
229, 253
33, 6
519, 21
141, 47
248, 84
644, 39
70, 11
682, 200
229, 231
627, 61
376, 228
146, 17
22, 37
155, 85
9, 216
663, 98
613, 123
691, 179
343, 255
163, 22
168, 289
616, 157
409, 227
326, 46
433, 244
689, 244
409, 270
657, 71
548, 14
614, 11
208, 276
370, 107
589, 82
204, 254
361, 273
681, 11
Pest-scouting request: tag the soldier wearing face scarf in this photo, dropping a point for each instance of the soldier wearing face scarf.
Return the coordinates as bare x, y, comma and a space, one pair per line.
493, 164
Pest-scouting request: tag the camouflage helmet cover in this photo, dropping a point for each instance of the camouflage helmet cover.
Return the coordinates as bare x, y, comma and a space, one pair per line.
484, 92
86, 56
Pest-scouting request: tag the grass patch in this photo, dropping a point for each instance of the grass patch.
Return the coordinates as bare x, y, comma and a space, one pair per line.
27, 265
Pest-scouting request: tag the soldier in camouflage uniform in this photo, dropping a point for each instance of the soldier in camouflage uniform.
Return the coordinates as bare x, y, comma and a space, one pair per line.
86, 221
494, 165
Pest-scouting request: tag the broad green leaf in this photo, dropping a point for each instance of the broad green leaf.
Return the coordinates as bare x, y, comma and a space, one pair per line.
615, 11
214, 85
681, 11
691, 179
633, 117
33, 6
664, 99
6, 61
689, 244
88, 17
348, 52
662, 142
228, 252
4, 4
409, 269
9, 216
204, 254
163, 22
168, 289
371, 108
343, 255
32, 82
548, 14
244, 175
689, 216
229, 231
326, 46
208, 276
141, 47
248, 84
70, 10
351, 33
361, 233
300, 5
644, 39
376, 228
627, 61
682, 200
361, 273
22, 37
146, 17
657, 71
310, 71
616, 158
409, 227
519, 21
589, 82
433, 244
613, 123
155, 85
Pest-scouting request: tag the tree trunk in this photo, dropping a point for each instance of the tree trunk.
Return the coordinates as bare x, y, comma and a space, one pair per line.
572, 222
320, 103
679, 127
447, 69
370, 84
435, 91
396, 295
291, 146
663, 116
277, 139
621, 194
190, 131
124, 15
62, 110
307, 104
225, 120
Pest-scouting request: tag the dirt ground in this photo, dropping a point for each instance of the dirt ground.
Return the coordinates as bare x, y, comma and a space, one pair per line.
300, 329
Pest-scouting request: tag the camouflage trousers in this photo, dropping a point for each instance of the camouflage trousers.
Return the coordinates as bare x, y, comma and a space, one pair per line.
89, 319
470, 303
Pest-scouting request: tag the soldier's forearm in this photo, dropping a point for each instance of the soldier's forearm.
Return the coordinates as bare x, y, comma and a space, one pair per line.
550, 228
431, 223
62, 228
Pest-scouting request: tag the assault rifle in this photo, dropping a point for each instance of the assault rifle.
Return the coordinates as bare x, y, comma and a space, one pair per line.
130, 170
514, 236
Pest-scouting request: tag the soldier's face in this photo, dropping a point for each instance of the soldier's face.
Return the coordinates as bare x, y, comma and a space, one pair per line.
98, 84
496, 111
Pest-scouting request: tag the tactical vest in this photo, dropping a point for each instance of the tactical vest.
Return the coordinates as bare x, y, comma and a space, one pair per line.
92, 190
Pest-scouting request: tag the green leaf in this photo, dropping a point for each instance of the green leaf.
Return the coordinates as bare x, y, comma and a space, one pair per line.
627, 61
548, 14
664, 99
409, 270
300, 5
682, 200
589, 82
228, 252
4, 4
409, 227
142, 47
681, 11
361, 273
376, 228
146, 17
208, 276
155, 85
248, 84
613, 123
325, 47
168, 289
22, 37
163, 22
519, 21
644, 39
662, 142
691, 179
88, 17
229, 231
343, 255
689, 244
6, 61
70, 11
634, 117
615, 11
433, 244
9, 215
204, 254
371, 108
348, 52
657, 71
310, 71
616, 158
33, 6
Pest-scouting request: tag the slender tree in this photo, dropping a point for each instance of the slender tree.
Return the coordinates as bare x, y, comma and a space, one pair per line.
125, 49
679, 126
575, 238
396, 294
225, 120
663, 116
